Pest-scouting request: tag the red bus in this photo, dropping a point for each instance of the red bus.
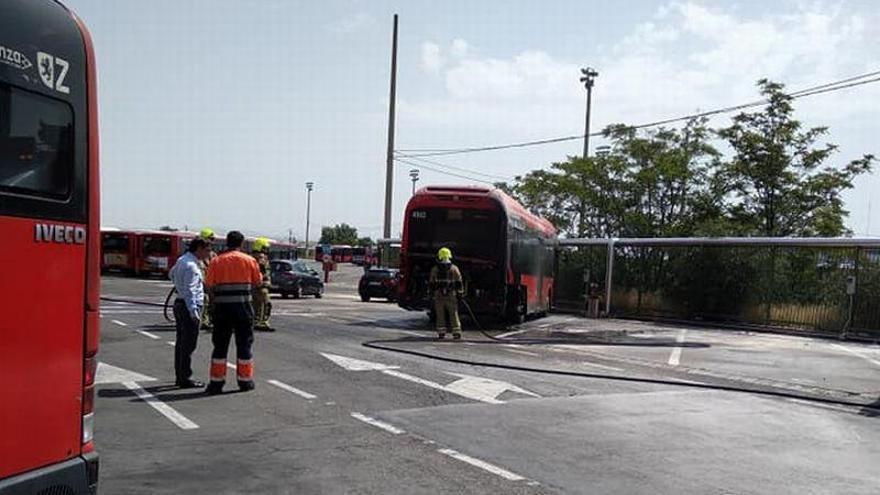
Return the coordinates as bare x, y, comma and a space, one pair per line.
158, 251
119, 251
342, 253
505, 253
362, 255
51, 250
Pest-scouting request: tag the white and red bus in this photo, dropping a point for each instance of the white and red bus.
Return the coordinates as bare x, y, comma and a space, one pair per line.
157, 251
50, 264
119, 252
505, 253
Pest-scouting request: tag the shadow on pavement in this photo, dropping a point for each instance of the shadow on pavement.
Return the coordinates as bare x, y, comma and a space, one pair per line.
165, 327
872, 410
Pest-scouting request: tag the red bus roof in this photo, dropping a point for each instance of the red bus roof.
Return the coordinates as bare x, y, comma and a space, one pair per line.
510, 205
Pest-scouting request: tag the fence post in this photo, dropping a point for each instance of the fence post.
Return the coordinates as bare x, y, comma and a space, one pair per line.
609, 276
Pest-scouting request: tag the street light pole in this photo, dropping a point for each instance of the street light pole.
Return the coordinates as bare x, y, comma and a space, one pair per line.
309, 187
414, 175
588, 77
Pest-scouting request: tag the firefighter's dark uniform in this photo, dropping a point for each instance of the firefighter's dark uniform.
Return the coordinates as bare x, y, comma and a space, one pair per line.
446, 284
262, 303
231, 278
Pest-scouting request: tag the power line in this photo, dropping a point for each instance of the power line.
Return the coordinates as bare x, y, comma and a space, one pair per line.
439, 171
452, 167
814, 90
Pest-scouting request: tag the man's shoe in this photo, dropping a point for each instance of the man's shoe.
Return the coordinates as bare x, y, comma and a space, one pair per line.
441, 335
214, 388
246, 386
456, 336
189, 384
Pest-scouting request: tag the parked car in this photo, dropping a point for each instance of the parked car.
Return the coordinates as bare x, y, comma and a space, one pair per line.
295, 278
379, 282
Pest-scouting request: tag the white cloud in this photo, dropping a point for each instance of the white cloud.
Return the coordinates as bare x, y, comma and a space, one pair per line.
459, 48
687, 57
350, 23
432, 59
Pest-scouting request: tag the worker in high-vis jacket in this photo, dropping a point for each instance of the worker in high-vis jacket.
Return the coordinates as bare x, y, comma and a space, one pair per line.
446, 285
209, 237
262, 303
231, 279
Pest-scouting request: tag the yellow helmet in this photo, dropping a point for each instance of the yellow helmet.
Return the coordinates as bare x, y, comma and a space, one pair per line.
444, 254
207, 234
261, 244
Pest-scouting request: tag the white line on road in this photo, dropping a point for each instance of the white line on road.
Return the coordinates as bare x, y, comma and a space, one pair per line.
169, 412
517, 351
171, 343
856, 353
482, 465
293, 390
675, 355
148, 334
509, 334
231, 365
120, 323
378, 424
601, 366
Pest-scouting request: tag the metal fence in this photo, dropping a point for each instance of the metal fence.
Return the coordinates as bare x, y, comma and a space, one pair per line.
823, 285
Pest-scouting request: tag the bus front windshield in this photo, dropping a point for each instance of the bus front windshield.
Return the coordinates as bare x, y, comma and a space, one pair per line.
469, 233
157, 246
115, 243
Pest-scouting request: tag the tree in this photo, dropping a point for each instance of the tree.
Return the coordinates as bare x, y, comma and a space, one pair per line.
365, 242
776, 179
339, 234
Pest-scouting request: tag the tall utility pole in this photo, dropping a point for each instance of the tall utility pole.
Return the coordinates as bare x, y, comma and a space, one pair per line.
309, 187
588, 77
389, 159
414, 176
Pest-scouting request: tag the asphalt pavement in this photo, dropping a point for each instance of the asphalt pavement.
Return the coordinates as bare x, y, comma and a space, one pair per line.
332, 416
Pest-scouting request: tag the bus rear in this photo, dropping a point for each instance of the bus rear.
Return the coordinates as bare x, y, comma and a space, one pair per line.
50, 254
118, 252
472, 223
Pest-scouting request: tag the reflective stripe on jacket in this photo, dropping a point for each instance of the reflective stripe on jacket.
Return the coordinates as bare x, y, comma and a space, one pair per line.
231, 277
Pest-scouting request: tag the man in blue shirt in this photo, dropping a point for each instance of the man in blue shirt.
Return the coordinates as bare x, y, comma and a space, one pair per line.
188, 308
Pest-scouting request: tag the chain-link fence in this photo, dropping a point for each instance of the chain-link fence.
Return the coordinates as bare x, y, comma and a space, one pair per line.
821, 285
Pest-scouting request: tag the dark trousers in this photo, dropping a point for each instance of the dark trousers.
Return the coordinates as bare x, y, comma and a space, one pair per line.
187, 339
229, 319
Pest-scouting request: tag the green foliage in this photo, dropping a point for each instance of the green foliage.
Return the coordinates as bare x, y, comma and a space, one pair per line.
365, 242
339, 234
675, 182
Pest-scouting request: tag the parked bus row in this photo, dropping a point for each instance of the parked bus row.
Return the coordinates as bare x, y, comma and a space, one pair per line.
145, 252
343, 253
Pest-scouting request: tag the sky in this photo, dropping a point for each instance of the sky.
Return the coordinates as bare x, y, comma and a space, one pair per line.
216, 113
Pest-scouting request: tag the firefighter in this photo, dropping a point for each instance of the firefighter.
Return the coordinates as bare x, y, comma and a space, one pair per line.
208, 236
232, 277
262, 304
446, 284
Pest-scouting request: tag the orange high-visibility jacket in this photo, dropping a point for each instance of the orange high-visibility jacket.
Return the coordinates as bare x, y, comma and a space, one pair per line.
231, 277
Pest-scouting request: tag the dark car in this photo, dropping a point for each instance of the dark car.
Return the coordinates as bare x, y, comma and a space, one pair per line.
379, 282
295, 278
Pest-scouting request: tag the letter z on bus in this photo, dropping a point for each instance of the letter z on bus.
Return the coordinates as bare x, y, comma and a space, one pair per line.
61, 234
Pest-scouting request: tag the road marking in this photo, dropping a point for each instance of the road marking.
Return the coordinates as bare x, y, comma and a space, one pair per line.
120, 323
675, 355
171, 343
148, 334
229, 363
856, 353
485, 466
527, 353
293, 390
378, 424
470, 387
107, 373
601, 366
169, 412
509, 334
